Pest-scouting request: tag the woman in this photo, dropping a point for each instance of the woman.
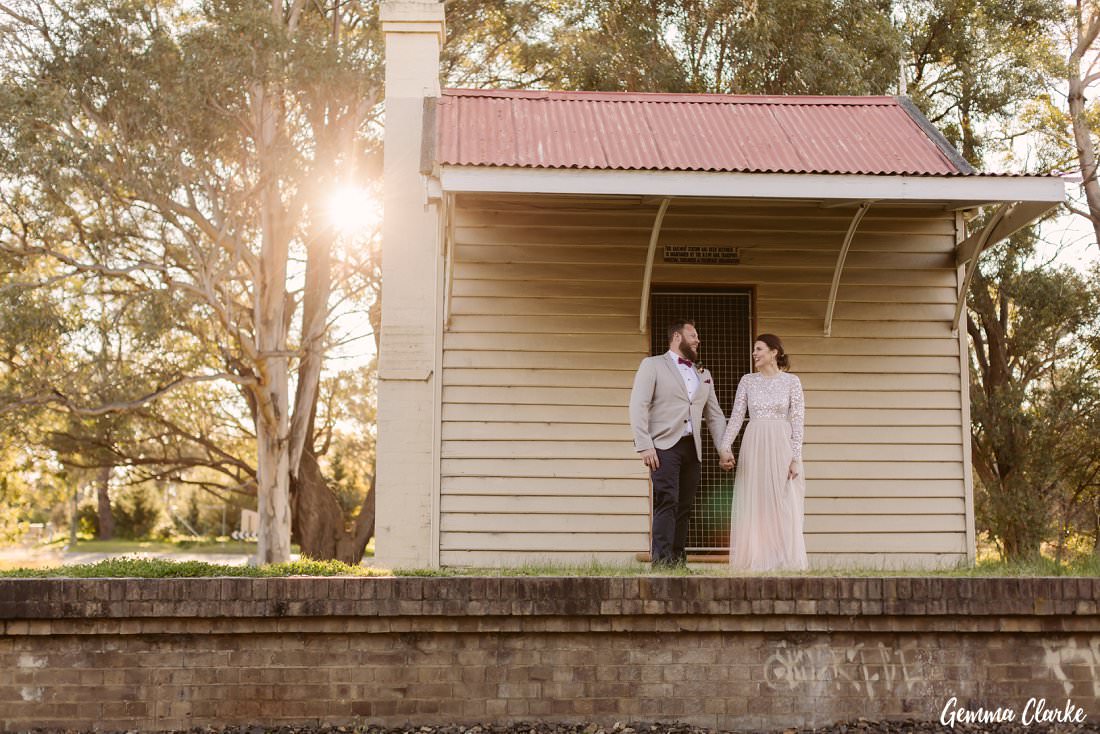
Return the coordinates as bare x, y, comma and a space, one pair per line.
769, 491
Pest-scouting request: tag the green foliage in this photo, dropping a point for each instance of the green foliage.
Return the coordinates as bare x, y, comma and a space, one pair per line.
87, 520
29, 497
132, 222
131, 214
727, 46
1035, 400
138, 513
972, 64
207, 515
347, 439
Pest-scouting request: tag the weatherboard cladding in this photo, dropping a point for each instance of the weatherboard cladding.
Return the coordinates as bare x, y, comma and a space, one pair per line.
689, 132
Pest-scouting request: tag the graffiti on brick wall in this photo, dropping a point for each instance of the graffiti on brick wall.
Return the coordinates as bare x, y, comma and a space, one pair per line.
1060, 654
869, 670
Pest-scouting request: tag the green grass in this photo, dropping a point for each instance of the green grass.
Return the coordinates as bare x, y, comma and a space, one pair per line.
1044, 567
160, 568
131, 567
593, 568
189, 544
1085, 565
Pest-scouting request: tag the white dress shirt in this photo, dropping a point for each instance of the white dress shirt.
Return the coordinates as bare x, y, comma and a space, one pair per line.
691, 381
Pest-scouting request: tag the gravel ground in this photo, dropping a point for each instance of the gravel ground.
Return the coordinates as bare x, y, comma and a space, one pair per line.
862, 726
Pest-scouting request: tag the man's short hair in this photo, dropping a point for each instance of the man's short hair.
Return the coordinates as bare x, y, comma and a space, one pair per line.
677, 327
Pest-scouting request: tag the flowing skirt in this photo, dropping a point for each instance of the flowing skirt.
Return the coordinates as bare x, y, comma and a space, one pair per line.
766, 527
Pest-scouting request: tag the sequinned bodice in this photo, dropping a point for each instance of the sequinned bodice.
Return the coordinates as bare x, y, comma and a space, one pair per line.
768, 398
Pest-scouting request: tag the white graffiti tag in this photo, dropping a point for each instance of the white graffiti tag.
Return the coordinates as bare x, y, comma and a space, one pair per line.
869, 671
1057, 653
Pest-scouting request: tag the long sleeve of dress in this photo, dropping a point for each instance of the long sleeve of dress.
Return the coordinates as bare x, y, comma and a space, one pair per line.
737, 415
797, 415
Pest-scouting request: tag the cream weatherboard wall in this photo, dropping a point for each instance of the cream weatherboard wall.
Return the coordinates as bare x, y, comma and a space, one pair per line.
536, 459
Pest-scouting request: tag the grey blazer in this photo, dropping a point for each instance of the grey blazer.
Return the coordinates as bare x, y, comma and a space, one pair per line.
659, 407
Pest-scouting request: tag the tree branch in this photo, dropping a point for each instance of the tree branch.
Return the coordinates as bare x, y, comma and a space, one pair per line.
57, 398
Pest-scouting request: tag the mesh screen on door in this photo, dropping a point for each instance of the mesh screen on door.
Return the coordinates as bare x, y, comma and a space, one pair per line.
724, 322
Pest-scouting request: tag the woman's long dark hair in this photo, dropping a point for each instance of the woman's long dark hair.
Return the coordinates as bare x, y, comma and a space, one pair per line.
773, 342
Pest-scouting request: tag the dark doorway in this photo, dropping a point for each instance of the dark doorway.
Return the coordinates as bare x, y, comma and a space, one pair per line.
724, 320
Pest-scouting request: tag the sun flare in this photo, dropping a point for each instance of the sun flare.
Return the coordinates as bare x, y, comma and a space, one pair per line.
354, 211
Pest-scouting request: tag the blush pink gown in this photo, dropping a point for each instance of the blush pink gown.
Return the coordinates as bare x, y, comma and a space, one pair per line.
768, 508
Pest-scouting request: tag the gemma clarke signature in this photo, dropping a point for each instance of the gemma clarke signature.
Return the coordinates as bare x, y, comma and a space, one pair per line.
1036, 711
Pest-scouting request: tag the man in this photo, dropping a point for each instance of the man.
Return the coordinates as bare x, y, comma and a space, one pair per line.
670, 398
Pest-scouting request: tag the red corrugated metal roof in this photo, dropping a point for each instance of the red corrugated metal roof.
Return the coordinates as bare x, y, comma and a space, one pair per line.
690, 132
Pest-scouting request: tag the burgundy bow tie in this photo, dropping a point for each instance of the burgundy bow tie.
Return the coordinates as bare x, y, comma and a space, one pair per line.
681, 360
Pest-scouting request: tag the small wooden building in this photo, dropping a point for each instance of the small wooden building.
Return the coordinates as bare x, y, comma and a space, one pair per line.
537, 243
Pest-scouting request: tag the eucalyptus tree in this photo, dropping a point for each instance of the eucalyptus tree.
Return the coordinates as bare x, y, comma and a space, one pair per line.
1035, 398
185, 153
725, 46
1065, 117
183, 156
971, 65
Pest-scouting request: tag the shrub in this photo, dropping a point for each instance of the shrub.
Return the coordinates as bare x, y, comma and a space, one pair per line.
138, 513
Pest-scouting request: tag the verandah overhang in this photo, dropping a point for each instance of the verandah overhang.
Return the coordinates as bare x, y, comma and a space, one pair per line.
959, 191
1020, 200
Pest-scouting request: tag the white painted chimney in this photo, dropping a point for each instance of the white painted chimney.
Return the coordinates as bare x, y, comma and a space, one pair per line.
406, 528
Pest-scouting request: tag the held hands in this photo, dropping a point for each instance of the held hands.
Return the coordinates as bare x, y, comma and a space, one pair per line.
649, 458
726, 461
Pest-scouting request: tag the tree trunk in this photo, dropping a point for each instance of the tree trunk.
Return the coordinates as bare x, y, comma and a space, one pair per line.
1086, 156
1096, 536
1020, 546
354, 544
315, 314
1082, 134
1014, 518
273, 485
273, 361
319, 519
1029, 546
106, 529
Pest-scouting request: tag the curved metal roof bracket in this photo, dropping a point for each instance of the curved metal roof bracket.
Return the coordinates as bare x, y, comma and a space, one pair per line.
970, 250
840, 264
643, 312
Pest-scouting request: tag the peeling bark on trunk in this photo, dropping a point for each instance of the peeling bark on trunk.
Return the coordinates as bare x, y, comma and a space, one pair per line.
273, 484
273, 392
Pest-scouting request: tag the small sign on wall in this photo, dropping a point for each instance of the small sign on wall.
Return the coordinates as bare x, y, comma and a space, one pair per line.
702, 254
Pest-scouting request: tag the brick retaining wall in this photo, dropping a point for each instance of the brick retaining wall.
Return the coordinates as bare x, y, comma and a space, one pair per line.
717, 652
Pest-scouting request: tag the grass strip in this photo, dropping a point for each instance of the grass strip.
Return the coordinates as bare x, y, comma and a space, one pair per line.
154, 568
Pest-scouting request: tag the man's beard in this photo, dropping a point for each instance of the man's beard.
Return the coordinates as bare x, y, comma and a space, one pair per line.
689, 353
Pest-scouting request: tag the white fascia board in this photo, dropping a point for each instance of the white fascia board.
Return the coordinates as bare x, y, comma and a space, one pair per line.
489, 179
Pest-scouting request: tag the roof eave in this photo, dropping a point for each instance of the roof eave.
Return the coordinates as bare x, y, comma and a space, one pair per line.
710, 184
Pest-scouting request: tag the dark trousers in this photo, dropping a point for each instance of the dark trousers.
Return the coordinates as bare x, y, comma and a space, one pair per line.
674, 485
